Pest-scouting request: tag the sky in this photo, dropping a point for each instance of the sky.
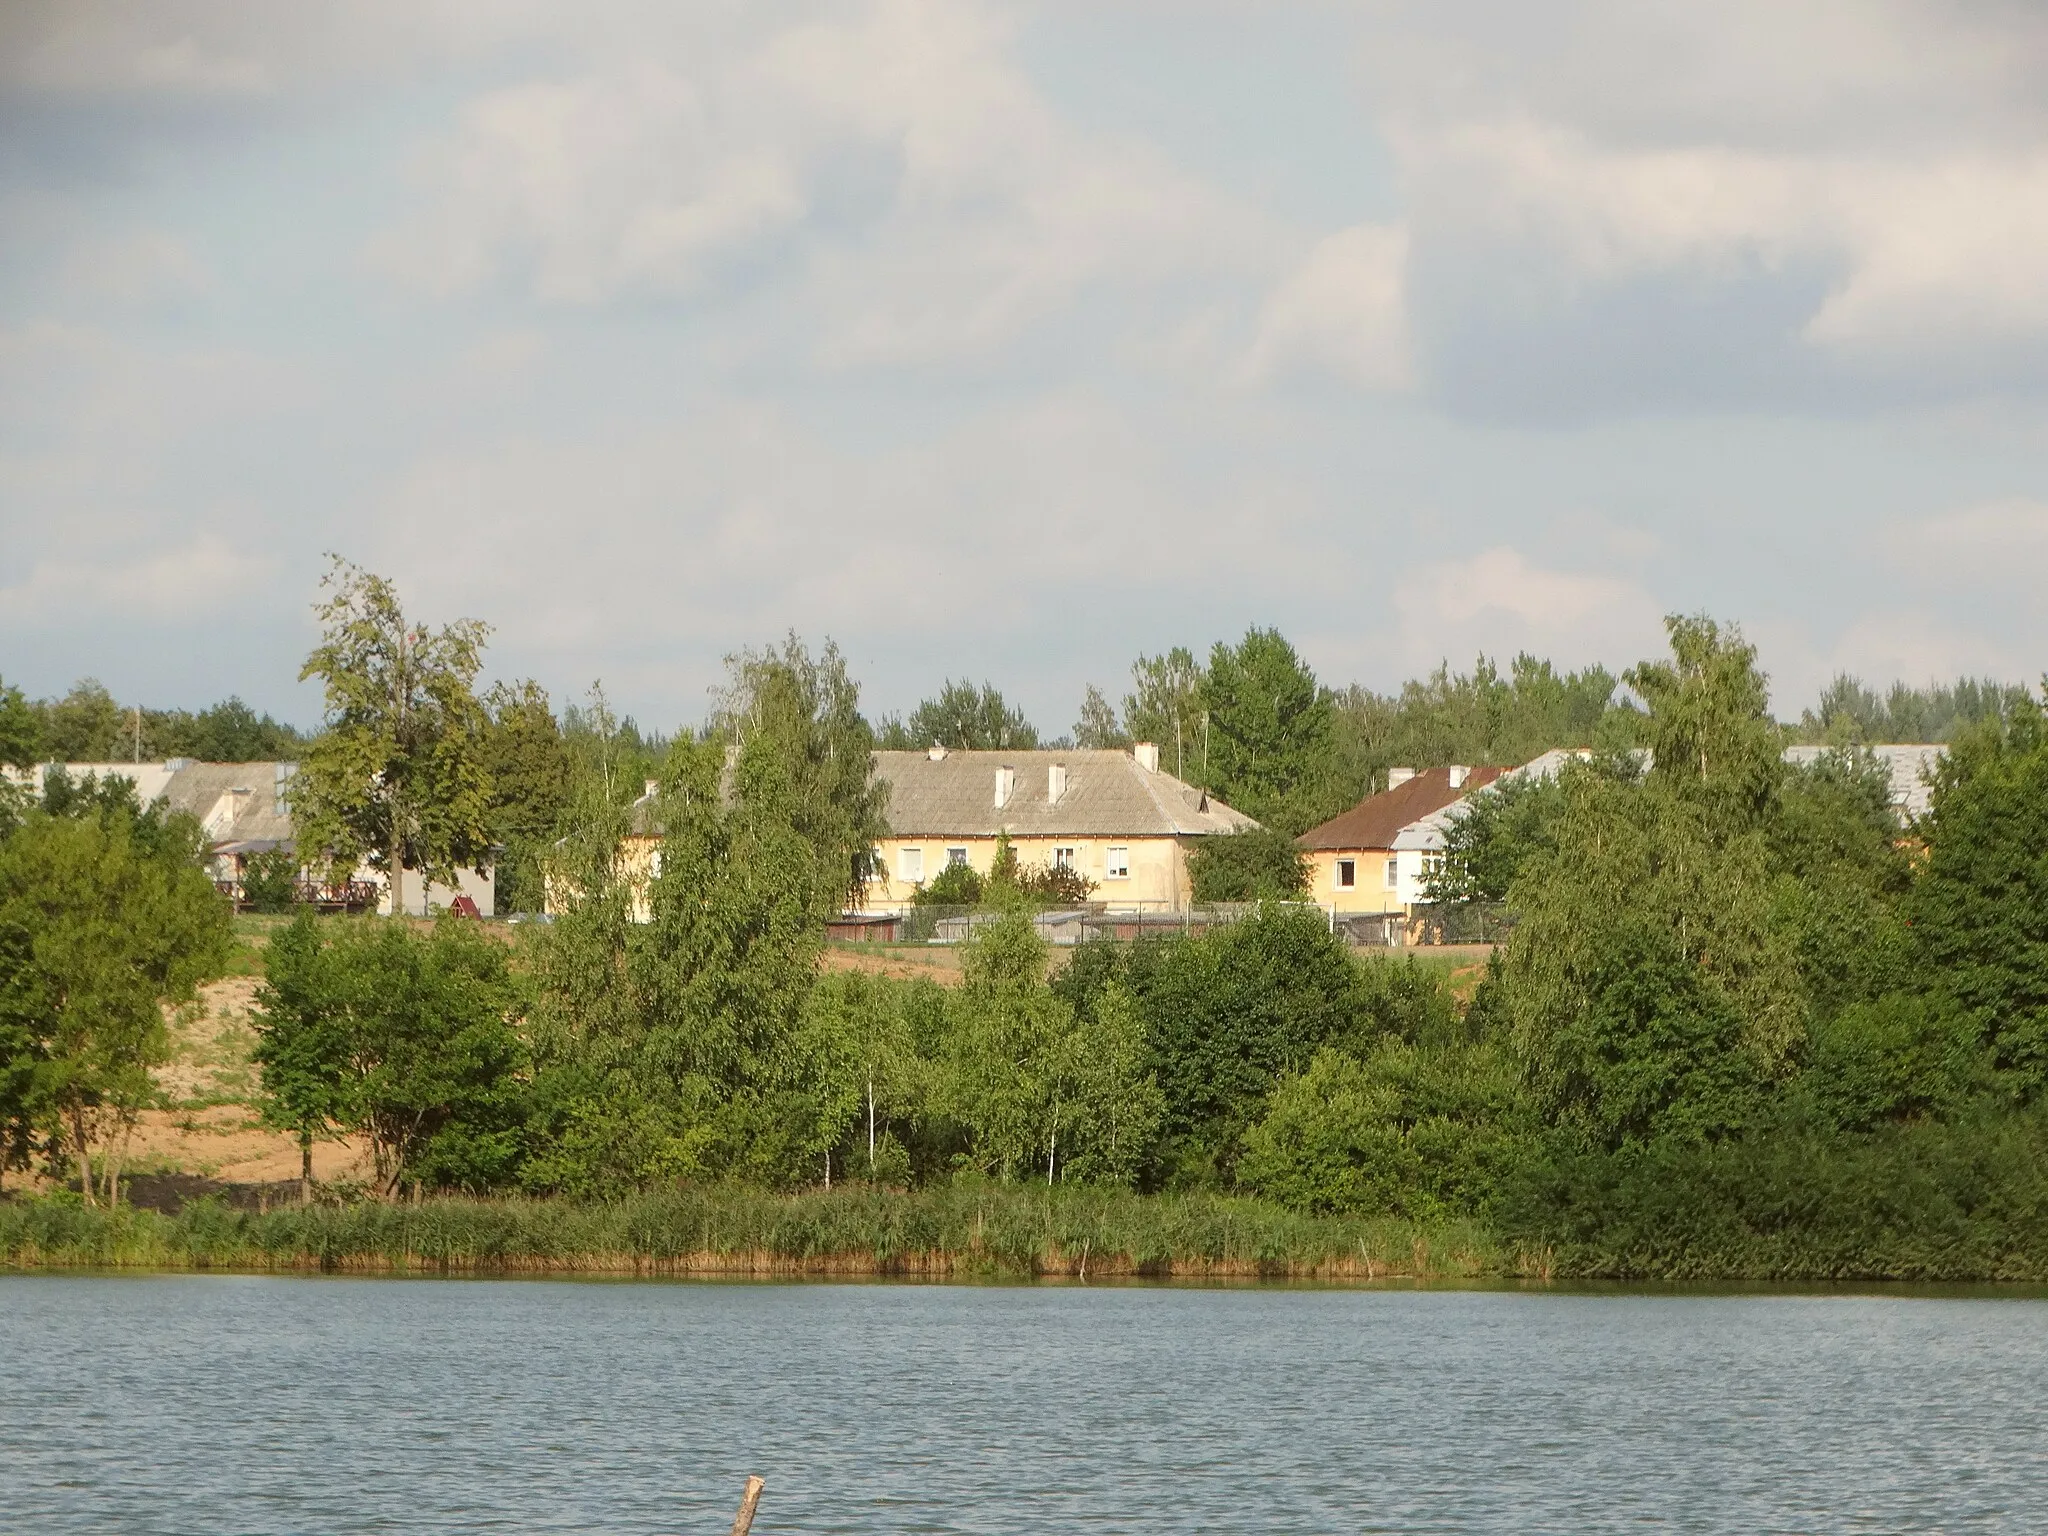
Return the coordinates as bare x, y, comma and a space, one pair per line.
1011, 340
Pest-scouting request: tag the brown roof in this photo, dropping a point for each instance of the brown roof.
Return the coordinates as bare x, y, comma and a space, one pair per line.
1375, 820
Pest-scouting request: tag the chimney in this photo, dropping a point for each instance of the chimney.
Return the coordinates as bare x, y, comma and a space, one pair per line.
653, 789
1459, 774
1055, 783
1396, 777
936, 753
1147, 754
1006, 783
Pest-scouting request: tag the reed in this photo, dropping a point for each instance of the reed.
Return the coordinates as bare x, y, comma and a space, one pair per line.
962, 1231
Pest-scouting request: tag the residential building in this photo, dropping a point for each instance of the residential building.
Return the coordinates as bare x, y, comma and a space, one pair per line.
1115, 816
1375, 857
245, 809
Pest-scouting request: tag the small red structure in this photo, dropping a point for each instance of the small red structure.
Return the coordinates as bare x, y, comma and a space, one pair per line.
463, 906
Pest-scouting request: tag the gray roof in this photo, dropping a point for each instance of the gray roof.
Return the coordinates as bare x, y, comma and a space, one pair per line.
1108, 794
1909, 764
238, 804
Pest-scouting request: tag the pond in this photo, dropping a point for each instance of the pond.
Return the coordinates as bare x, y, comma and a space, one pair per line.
230, 1404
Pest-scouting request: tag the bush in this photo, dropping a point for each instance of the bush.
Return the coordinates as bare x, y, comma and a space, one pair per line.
1256, 864
270, 881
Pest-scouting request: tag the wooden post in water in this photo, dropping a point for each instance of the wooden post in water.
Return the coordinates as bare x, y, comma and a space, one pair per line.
745, 1518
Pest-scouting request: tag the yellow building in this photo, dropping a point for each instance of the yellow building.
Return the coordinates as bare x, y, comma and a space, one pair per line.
1377, 855
1112, 815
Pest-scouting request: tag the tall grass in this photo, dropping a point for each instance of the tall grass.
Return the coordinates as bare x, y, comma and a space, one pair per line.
957, 1230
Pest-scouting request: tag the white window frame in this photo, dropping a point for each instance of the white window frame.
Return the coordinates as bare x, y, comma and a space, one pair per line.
956, 858
1066, 858
1393, 872
1116, 864
1346, 876
910, 865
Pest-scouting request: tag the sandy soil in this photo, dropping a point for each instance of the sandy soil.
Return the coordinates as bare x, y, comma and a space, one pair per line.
212, 1128
940, 962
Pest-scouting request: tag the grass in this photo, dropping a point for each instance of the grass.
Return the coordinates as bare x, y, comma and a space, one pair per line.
966, 1230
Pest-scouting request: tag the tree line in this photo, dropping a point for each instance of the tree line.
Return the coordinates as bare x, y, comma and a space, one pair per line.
1725, 973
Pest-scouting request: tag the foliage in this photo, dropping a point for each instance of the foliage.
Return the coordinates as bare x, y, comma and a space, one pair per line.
957, 885
1979, 909
1480, 717
963, 718
809, 709
1270, 730
21, 733
399, 773
270, 880
1098, 726
1850, 714
408, 1040
1165, 707
529, 768
1254, 864
105, 917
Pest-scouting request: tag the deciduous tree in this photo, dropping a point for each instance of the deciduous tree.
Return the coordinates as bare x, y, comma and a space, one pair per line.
399, 772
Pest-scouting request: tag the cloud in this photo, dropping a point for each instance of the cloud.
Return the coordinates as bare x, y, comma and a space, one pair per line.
1342, 311
1991, 546
1496, 603
180, 587
926, 203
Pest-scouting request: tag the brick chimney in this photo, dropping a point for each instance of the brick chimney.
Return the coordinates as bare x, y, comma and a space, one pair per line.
1147, 754
1055, 783
1396, 777
1006, 785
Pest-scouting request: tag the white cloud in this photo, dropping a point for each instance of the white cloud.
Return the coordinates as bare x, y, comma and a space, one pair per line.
180, 587
1497, 603
1992, 546
1342, 311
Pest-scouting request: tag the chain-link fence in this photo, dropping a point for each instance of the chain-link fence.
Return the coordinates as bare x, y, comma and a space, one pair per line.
1463, 922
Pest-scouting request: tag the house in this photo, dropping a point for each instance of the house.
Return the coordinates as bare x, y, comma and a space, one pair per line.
1114, 816
1375, 856
245, 809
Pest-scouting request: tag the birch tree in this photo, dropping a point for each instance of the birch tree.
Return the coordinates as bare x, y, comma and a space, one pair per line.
398, 775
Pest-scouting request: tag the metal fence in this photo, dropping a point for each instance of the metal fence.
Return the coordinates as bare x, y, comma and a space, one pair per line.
322, 895
1080, 924
1463, 922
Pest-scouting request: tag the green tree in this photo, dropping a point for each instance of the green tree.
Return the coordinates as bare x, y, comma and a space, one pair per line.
305, 1040
1119, 1106
1710, 726
1254, 864
878, 1058
87, 726
1165, 707
1270, 746
1098, 726
406, 1039
1979, 909
529, 769
105, 917
1014, 1064
399, 773
967, 719
808, 711
21, 737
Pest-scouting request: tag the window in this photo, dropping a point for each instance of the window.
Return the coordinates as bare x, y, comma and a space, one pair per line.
1118, 865
1063, 858
1393, 874
955, 857
910, 863
1347, 874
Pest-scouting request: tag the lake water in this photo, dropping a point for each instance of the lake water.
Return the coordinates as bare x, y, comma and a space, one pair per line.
218, 1404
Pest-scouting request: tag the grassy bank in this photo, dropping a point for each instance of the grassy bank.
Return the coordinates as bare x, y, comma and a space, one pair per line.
962, 1231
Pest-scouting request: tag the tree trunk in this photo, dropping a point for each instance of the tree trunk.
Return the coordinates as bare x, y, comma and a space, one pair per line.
84, 1149
305, 1167
117, 1154
871, 1125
